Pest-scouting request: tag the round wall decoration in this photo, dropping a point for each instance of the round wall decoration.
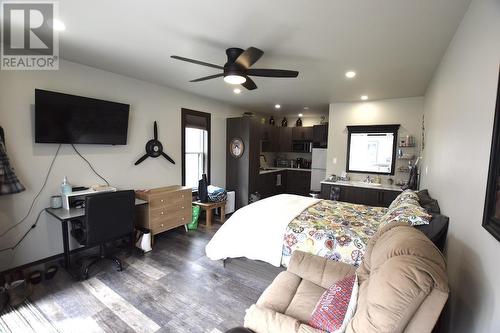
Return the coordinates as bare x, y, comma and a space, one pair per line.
236, 147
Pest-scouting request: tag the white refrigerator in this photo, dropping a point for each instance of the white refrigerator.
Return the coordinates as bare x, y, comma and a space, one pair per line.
318, 168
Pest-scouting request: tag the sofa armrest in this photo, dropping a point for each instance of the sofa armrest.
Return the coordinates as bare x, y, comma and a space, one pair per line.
319, 270
264, 320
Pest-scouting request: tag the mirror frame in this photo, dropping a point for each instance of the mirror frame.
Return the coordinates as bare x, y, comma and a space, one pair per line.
373, 129
490, 223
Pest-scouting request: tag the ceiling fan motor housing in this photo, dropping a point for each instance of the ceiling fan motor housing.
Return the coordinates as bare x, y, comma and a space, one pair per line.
231, 67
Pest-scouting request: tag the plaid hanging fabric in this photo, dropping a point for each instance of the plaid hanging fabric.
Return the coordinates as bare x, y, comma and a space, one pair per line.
9, 183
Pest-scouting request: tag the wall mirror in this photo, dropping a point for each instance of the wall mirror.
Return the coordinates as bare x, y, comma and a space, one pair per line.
491, 215
372, 149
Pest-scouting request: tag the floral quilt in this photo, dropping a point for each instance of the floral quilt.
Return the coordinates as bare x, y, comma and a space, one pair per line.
333, 229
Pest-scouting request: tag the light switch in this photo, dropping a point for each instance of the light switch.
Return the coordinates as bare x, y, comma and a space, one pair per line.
334, 160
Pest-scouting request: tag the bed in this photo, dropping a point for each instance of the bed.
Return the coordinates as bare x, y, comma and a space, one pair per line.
271, 229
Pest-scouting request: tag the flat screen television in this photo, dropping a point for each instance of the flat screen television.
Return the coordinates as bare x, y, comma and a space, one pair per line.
63, 118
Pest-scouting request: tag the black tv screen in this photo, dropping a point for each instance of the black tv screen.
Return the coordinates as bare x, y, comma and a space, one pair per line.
63, 118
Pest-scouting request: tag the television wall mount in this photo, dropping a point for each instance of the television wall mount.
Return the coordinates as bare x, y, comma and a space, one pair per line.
154, 148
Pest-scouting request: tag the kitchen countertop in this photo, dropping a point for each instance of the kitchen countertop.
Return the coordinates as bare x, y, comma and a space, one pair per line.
363, 184
270, 170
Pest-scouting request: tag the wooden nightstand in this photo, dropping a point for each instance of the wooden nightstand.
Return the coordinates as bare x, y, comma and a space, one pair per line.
209, 207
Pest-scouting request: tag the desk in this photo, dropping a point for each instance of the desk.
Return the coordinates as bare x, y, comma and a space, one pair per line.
209, 207
65, 215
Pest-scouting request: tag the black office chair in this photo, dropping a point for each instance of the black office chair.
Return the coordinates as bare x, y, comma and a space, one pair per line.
108, 216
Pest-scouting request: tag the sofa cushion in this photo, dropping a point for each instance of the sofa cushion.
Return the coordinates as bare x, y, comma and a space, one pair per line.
336, 306
304, 301
280, 293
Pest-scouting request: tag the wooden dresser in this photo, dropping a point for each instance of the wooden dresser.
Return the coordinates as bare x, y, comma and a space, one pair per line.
168, 207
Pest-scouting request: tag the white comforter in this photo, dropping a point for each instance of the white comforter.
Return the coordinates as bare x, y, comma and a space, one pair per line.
256, 231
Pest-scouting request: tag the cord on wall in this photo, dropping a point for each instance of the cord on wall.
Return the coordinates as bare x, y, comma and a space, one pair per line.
90, 165
36, 196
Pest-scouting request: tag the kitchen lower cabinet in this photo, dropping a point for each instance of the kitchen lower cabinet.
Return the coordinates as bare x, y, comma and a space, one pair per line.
272, 183
359, 195
298, 182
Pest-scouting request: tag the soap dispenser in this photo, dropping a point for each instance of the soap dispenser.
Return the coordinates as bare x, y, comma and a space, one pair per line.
65, 186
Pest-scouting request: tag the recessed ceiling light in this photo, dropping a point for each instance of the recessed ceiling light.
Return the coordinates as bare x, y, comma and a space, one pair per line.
350, 74
58, 25
235, 79
306, 108
364, 97
237, 90
277, 106
301, 115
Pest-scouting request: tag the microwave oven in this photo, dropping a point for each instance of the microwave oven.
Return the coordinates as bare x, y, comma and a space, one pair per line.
302, 146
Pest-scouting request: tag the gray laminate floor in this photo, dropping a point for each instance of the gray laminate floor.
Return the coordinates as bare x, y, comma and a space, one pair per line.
174, 288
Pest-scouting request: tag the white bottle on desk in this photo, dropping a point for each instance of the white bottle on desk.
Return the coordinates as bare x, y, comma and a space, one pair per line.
65, 187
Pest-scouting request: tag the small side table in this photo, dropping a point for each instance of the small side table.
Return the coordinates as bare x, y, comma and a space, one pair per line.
209, 208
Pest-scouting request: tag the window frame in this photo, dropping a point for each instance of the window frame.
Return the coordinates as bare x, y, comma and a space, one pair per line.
490, 223
188, 112
373, 129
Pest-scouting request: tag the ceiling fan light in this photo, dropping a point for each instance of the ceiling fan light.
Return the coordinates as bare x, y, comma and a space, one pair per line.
235, 79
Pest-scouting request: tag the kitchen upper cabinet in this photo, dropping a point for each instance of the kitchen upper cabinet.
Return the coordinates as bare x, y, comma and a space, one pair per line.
285, 139
320, 136
302, 133
269, 138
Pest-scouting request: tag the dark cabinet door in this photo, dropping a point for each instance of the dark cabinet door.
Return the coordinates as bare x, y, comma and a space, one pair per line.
361, 196
285, 139
272, 183
269, 138
302, 133
298, 182
320, 136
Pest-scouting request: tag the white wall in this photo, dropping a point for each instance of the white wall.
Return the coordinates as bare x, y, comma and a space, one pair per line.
459, 111
148, 103
404, 111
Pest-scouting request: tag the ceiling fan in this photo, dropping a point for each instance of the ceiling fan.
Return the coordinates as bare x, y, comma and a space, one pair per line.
237, 68
154, 148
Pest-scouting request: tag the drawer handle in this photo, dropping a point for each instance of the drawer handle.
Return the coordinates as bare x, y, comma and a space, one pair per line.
161, 213
182, 207
183, 219
182, 196
161, 200
162, 225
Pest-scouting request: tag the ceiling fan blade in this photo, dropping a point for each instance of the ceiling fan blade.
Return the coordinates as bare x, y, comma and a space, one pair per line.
207, 77
249, 57
249, 84
168, 158
197, 62
139, 161
155, 127
272, 72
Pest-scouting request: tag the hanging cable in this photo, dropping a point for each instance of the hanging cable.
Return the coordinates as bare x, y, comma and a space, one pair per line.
90, 165
25, 234
36, 196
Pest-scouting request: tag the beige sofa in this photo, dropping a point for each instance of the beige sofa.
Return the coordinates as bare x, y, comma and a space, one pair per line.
402, 287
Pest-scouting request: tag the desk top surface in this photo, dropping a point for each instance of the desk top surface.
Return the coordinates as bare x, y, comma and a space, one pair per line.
73, 213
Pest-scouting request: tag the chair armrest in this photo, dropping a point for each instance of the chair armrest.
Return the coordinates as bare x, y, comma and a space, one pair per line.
319, 270
264, 320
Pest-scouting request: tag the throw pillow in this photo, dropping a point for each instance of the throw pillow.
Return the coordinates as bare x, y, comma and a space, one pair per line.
407, 196
409, 213
431, 205
337, 306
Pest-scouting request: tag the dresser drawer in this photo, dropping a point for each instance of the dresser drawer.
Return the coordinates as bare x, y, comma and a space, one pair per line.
162, 200
171, 221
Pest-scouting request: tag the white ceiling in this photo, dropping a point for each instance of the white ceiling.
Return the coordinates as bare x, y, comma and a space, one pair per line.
393, 45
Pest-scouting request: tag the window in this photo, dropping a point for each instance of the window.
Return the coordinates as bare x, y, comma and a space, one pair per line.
372, 149
195, 147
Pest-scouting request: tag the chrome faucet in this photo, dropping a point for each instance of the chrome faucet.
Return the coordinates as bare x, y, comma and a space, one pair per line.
368, 179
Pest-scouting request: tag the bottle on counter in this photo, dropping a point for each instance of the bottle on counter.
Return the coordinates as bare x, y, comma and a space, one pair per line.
284, 122
271, 121
65, 186
298, 123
